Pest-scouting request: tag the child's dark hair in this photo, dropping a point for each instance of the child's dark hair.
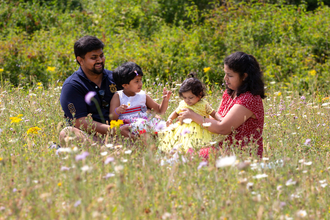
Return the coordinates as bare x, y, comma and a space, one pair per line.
194, 85
86, 44
241, 63
125, 73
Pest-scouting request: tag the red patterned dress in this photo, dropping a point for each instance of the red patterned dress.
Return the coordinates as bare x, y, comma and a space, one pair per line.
248, 133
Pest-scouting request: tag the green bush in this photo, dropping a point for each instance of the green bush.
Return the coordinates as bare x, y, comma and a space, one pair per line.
291, 43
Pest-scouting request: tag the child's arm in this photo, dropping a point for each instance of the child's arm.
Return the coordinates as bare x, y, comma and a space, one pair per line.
216, 115
170, 119
115, 108
155, 106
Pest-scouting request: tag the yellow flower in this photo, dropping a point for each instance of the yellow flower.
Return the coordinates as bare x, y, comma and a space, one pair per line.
39, 84
52, 69
40, 87
59, 184
206, 69
312, 72
20, 115
325, 98
1, 159
1, 70
115, 123
15, 119
279, 94
33, 130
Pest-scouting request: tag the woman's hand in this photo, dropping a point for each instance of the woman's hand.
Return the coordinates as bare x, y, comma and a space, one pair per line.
187, 113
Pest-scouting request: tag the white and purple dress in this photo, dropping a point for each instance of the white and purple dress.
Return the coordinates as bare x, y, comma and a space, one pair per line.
136, 114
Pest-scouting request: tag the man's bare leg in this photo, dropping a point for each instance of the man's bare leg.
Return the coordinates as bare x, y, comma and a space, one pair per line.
69, 133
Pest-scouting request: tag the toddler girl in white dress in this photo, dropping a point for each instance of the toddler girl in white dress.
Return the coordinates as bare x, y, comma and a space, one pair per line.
131, 103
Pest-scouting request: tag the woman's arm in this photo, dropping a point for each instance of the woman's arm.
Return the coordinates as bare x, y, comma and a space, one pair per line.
216, 116
236, 116
170, 119
161, 109
115, 108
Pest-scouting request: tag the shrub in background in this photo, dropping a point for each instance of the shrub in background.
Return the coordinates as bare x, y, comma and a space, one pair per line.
291, 44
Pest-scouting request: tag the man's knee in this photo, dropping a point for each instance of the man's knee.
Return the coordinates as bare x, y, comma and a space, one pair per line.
63, 135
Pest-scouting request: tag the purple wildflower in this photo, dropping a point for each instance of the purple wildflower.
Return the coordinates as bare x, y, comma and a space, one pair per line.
308, 141
109, 160
303, 97
14, 190
185, 131
89, 96
82, 156
77, 203
160, 126
65, 168
202, 164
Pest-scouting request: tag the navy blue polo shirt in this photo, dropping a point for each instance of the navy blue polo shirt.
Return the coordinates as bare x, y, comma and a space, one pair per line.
75, 89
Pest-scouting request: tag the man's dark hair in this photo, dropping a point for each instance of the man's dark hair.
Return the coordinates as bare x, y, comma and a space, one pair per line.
86, 44
194, 85
125, 73
241, 63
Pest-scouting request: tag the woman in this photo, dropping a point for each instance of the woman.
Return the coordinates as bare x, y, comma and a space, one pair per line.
241, 107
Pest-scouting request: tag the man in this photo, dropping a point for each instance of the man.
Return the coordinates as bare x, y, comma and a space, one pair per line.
91, 78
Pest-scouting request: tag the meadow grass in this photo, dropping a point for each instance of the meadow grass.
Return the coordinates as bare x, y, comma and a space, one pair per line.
137, 182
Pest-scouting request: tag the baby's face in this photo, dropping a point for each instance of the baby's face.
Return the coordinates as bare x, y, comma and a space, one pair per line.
189, 98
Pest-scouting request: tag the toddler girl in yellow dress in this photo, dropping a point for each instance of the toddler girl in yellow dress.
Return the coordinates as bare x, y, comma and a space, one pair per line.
188, 135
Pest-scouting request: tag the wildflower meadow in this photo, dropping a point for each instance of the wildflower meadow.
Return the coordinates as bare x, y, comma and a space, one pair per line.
121, 179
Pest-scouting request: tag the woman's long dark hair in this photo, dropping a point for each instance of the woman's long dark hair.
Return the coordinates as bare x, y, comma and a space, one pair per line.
241, 63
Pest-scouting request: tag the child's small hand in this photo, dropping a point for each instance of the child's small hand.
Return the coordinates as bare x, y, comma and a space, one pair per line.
166, 94
168, 122
121, 109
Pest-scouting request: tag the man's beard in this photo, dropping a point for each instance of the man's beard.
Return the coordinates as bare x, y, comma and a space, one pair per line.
98, 72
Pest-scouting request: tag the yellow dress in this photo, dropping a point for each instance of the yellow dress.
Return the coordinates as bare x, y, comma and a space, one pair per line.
184, 136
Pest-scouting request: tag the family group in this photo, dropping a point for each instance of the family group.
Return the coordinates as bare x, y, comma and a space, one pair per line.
93, 97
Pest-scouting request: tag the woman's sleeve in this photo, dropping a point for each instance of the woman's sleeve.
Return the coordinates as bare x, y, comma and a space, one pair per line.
253, 103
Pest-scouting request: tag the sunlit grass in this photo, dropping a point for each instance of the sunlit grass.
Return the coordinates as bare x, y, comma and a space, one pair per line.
125, 181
